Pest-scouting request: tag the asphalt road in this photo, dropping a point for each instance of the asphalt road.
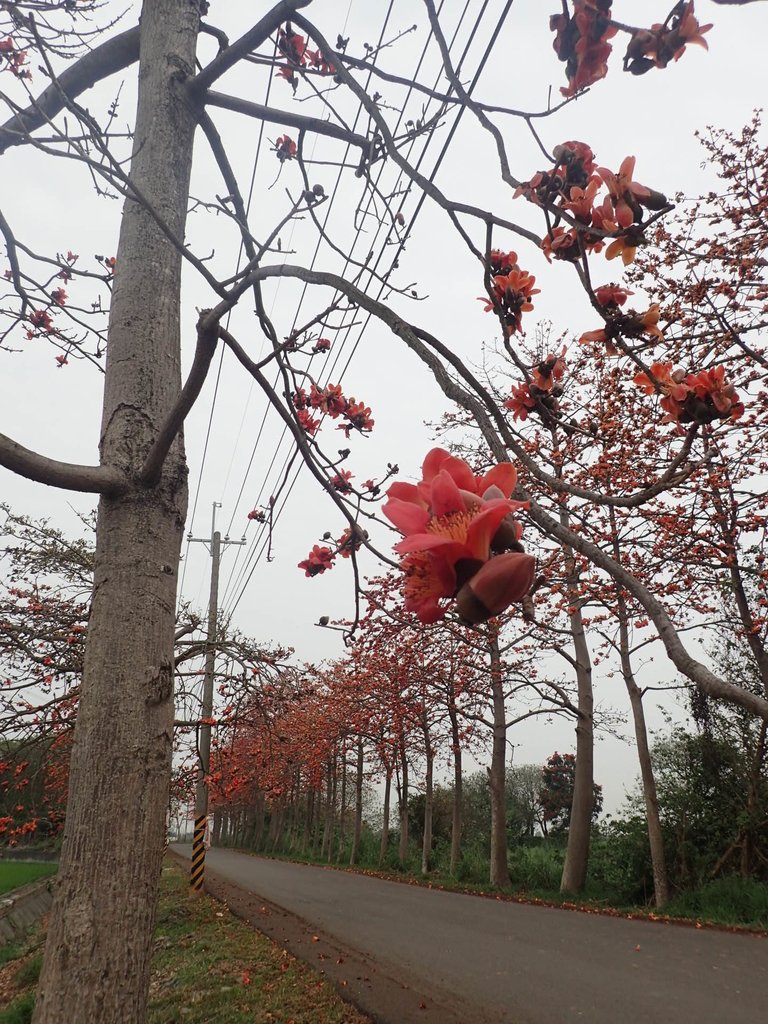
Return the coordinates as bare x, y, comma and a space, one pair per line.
513, 963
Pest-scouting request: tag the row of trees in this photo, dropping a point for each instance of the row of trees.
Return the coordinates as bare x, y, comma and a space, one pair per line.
636, 448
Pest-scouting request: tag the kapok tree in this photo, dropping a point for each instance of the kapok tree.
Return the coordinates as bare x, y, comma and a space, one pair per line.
121, 758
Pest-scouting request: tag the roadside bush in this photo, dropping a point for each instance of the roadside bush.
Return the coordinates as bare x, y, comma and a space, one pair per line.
728, 900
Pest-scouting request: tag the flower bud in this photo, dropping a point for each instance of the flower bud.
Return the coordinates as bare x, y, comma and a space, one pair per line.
495, 586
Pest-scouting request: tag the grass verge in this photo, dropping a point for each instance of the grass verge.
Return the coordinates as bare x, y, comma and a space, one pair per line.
728, 904
207, 968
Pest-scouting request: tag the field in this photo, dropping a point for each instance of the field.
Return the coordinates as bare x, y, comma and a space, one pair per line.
16, 873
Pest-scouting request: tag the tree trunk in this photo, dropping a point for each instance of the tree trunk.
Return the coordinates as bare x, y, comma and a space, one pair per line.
653, 819
216, 836
402, 853
342, 810
426, 846
260, 815
358, 829
330, 799
458, 796
580, 826
99, 942
499, 868
385, 818
308, 816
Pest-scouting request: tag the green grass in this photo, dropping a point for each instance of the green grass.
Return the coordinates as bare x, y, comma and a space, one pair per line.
14, 874
210, 968
20, 1010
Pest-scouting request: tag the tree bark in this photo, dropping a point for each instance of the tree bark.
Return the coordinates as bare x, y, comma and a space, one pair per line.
343, 808
458, 792
580, 825
499, 868
426, 846
653, 818
402, 854
385, 818
358, 828
97, 957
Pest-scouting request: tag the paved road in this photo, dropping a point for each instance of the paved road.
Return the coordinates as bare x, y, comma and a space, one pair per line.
519, 964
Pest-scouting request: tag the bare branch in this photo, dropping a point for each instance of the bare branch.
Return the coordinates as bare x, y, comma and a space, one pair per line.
67, 475
207, 336
249, 41
315, 125
115, 54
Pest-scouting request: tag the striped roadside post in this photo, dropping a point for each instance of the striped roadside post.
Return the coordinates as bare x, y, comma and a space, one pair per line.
198, 855
206, 709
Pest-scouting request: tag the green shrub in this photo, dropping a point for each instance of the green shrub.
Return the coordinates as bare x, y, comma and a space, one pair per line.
727, 900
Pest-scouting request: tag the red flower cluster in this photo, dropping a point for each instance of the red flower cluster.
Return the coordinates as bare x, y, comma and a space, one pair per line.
321, 345
618, 324
573, 187
543, 391
65, 274
40, 323
657, 46
298, 58
512, 290
322, 557
581, 42
15, 59
460, 540
692, 398
330, 401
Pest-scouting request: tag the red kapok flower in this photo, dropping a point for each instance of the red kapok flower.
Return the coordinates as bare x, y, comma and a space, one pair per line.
319, 559
340, 481
328, 399
359, 416
307, 421
285, 148
520, 402
450, 530
608, 295
549, 371
502, 581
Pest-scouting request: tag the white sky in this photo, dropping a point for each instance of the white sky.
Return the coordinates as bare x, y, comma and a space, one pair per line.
58, 411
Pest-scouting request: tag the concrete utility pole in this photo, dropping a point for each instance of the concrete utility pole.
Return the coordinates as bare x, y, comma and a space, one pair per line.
206, 710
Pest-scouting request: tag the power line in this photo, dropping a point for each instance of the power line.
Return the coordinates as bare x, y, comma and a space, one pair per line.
255, 557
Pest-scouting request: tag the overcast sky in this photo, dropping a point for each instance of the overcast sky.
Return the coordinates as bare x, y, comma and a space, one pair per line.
57, 411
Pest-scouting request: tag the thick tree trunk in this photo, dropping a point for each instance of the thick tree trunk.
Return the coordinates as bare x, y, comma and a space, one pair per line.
580, 826
402, 854
97, 956
499, 868
358, 828
260, 816
655, 836
653, 818
342, 810
426, 846
385, 818
308, 816
458, 794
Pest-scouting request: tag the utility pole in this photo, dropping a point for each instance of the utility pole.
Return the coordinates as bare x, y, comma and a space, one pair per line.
206, 710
